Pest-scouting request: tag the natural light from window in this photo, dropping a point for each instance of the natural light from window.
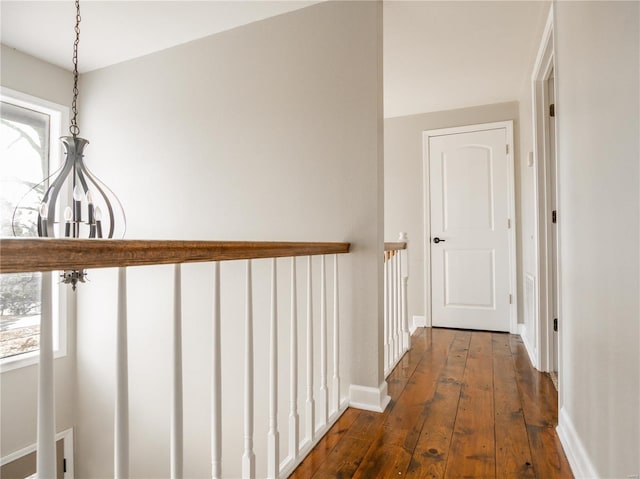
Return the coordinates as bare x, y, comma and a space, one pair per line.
25, 134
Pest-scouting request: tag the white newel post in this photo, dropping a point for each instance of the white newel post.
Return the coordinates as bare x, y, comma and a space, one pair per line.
324, 392
310, 411
336, 337
248, 456
176, 444
46, 456
121, 440
294, 435
404, 256
216, 381
273, 441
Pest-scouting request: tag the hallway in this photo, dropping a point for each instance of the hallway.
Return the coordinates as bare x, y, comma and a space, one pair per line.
464, 404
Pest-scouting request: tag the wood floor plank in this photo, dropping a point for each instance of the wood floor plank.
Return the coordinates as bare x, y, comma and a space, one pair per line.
344, 459
383, 460
319, 454
537, 393
472, 453
404, 423
548, 456
431, 452
513, 454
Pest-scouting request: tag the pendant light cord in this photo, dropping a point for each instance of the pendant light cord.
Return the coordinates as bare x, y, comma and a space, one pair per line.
73, 127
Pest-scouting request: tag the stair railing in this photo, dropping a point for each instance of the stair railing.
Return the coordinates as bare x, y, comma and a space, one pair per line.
321, 411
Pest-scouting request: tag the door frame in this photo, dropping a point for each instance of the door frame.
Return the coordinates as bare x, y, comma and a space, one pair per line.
511, 210
68, 445
543, 334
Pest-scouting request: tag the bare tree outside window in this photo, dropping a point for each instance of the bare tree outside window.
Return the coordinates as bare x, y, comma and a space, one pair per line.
24, 162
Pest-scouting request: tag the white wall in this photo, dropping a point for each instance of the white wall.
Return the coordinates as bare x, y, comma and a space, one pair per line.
267, 132
18, 387
404, 189
598, 121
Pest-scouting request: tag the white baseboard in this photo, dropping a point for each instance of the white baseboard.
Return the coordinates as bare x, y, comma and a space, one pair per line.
522, 331
581, 465
418, 322
368, 398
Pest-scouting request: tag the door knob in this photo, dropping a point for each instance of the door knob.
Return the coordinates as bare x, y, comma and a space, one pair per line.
437, 240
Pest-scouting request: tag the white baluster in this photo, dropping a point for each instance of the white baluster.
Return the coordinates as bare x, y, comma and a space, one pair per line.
176, 446
121, 441
294, 434
336, 337
248, 456
398, 309
387, 309
394, 275
216, 381
273, 441
405, 279
46, 456
310, 416
392, 310
324, 392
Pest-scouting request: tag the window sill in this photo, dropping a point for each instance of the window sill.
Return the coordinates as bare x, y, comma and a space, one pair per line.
24, 360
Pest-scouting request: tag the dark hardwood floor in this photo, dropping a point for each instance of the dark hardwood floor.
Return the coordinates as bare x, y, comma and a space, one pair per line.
464, 404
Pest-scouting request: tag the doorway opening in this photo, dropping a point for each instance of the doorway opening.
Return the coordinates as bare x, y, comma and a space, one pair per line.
548, 213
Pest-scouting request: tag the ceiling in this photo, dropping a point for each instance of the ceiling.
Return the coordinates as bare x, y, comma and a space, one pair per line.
445, 55
437, 55
118, 30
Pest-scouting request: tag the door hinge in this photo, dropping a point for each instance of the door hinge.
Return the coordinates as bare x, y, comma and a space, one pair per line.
555, 324
508, 223
552, 110
554, 216
64, 465
507, 148
510, 299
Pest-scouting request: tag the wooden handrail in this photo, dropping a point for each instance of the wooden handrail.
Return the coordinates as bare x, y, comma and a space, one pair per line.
395, 246
25, 255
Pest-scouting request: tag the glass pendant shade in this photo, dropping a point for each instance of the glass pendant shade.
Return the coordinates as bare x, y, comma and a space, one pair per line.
91, 211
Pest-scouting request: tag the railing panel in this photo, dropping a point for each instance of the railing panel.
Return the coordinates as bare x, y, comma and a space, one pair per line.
317, 357
396, 331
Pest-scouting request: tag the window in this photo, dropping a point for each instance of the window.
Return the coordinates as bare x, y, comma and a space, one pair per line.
27, 155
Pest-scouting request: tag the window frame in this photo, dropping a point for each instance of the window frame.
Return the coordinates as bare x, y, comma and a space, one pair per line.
60, 296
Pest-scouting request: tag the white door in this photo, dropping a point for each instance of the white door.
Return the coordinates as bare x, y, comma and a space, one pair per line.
469, 203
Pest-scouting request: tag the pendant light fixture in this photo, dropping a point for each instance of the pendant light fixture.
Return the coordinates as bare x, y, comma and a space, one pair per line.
76, 203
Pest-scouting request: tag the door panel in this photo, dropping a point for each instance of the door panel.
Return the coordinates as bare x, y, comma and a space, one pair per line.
469, 190
469, 290
467, 204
